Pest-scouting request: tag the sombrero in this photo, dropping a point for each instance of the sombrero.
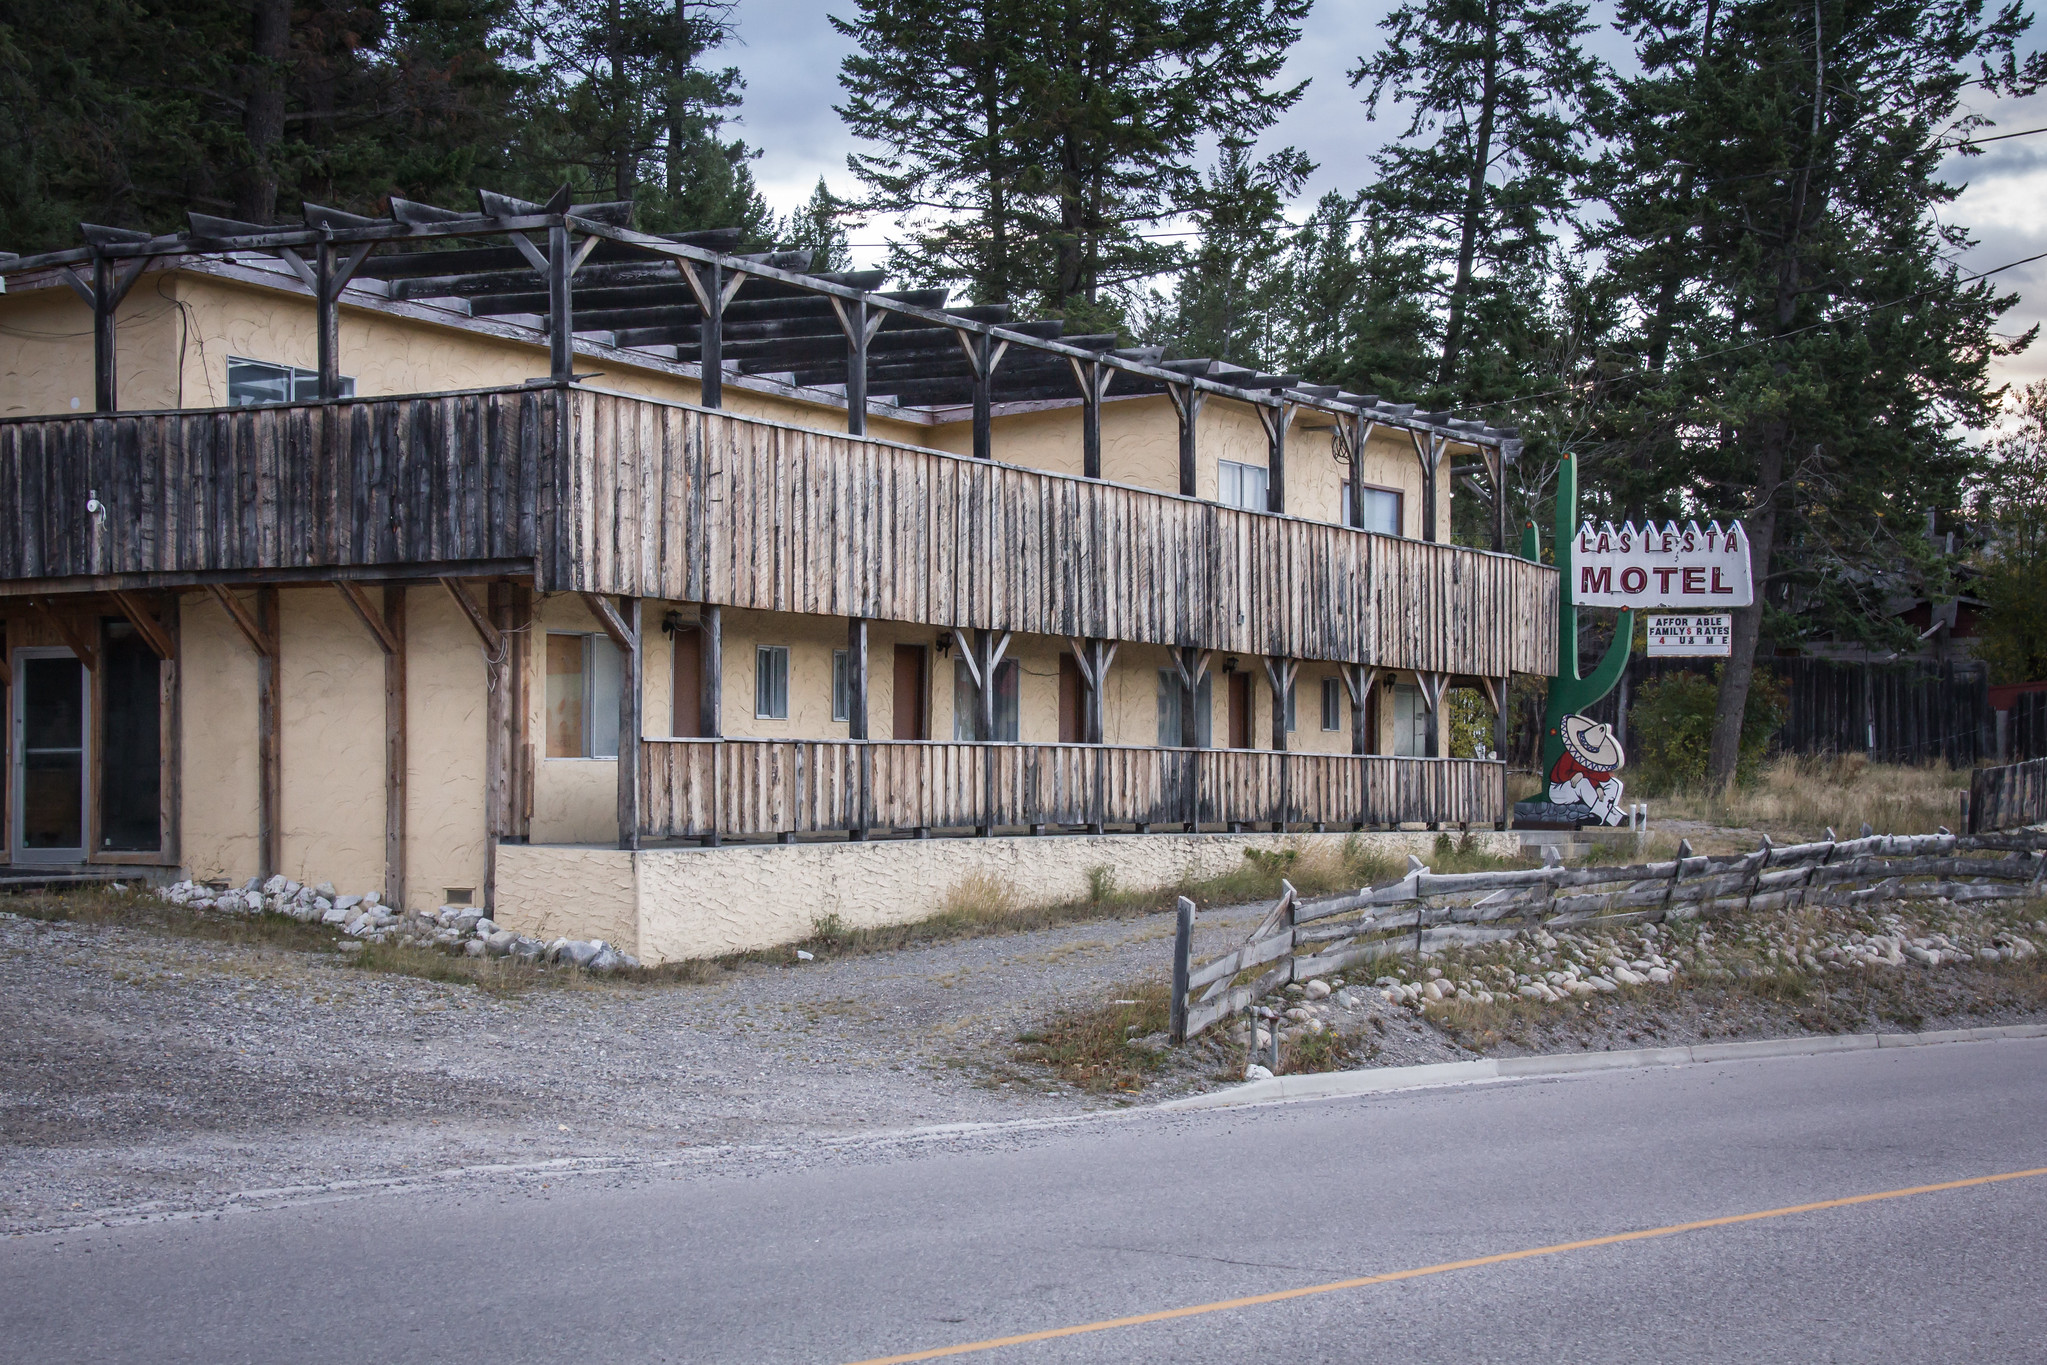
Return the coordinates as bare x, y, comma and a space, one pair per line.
1592, 743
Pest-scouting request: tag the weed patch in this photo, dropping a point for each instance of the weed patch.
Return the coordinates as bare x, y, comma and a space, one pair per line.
1098, 1048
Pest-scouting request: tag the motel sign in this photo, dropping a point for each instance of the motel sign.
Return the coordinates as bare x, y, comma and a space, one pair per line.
1668, 566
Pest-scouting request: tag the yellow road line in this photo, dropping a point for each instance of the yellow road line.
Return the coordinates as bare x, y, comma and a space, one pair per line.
1280, 1296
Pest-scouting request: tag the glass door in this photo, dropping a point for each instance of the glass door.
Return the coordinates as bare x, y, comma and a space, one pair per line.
51, 698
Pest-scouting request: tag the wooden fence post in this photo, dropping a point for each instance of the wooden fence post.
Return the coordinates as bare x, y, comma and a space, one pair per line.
1183, 950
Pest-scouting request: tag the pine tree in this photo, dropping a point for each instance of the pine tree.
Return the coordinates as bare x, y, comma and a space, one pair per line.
1496, 91
1034, 144
1350, 304
819, 224
939, 87
1824, 356
1219, 308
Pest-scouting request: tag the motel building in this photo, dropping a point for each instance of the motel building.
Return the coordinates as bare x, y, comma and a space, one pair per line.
639, 590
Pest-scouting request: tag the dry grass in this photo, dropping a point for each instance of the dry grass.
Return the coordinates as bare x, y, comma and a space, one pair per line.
1097, 1048
1801, 797
139, 907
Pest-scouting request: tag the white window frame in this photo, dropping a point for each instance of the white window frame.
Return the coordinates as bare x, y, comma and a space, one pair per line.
300, 385
770, 682
1231, 480
594, 646
842, 684
1399, 496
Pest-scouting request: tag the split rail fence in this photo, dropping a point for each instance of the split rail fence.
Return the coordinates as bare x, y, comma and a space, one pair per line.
750, 787
1424, 910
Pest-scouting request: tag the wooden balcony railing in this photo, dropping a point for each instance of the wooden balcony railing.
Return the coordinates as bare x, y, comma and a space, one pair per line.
750, 787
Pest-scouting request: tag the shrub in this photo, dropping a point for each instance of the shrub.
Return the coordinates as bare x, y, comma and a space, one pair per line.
1670, 730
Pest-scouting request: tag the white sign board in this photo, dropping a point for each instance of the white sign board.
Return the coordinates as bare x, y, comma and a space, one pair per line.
1697, 637
1661, 567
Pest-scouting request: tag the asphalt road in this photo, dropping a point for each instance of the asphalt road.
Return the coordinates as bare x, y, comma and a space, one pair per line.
877, 1250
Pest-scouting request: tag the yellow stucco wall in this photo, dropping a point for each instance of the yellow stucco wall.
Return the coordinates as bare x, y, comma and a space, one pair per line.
331, 694
702, 902
177, 329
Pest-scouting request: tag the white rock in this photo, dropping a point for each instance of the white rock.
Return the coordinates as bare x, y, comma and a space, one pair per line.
484, 928
500, 943
1255, 1072
347, 902
474, 948
1318, 990
275, 885
1659, 976
337, 916
324, 889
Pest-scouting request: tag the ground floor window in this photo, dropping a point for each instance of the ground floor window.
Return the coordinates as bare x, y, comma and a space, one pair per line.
842, 684
584, 677
1332, 704
966, 702
131, 743
1172, 697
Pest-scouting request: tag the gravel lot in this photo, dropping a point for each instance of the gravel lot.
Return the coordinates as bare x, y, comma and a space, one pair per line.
144, 1073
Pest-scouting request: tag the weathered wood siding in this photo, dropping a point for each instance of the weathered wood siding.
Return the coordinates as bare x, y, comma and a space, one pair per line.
738, 787
674, 502
387, 481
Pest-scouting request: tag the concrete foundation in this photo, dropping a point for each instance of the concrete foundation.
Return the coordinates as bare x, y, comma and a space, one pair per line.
668, 904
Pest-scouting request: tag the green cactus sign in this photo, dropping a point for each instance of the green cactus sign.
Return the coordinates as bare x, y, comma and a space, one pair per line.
1577, 755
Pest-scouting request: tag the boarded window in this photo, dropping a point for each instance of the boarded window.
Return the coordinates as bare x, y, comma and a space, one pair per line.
584, 675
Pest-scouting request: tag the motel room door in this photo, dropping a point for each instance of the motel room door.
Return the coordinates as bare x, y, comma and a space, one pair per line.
49, 757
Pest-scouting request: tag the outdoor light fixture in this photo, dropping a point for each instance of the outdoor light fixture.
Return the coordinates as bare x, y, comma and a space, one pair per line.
944, 643
1229, 664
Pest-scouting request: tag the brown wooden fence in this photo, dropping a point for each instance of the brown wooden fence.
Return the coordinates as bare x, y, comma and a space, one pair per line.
750, 787
2007, 797
1424, 910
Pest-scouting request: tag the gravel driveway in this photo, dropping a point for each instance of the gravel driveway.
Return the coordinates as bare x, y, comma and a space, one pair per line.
143, 1072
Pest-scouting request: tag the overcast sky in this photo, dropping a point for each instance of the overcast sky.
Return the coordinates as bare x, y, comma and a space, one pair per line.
790, 57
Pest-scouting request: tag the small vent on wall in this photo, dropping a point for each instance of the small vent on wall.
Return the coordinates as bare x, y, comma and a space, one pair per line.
459, 895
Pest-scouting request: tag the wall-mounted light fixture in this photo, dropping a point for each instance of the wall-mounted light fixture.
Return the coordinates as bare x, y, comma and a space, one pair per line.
674, 623
944, 643
1229, 664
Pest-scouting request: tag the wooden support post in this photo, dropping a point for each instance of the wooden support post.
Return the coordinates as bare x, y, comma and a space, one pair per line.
984, 384
856, 677
1279, 675
629, 696
330, 276
269, 735
1183, 965
1187, 401
1429, 454
711, 336
1275, 420
1093, 658
1192, 664
147, 626
393, 617
859, 323
1094, 382
485, 631
711, 673
1358, 681
79, 641
561, 326
856, 721
105, 383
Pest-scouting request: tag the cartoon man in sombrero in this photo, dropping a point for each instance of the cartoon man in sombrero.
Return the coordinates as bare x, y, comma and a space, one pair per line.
1583, 775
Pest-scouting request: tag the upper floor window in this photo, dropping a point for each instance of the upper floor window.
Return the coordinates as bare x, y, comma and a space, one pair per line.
1382, 509
258, 381
1241, 485
584, 676
842, 684
771, 682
